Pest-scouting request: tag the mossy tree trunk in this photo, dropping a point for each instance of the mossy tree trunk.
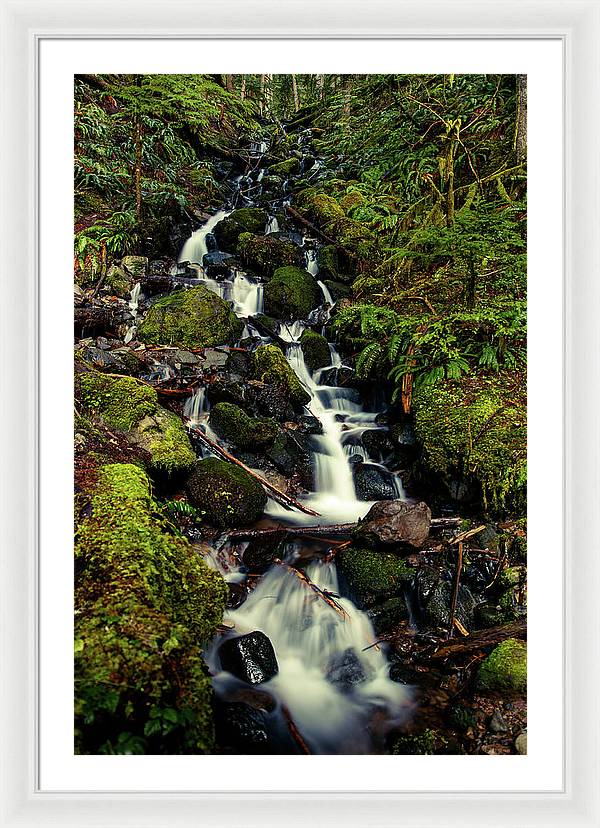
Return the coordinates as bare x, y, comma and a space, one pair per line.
137, 137
521, 121
295, 93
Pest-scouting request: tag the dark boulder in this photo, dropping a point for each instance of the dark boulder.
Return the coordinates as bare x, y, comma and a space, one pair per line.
227, 494
217, 264
339, 377
345, 670
389, 614
244, 220
290, 454
395, 523
241, 728
377, 443
249, 657
269, 400
373, 482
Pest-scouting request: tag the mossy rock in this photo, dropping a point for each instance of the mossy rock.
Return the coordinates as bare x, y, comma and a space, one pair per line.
272, 368
164, 437
265, 254
321, 208
233, 424
474, 429
292, 293
505, 669
369, 577
351, 201
315, 349
194, 318
120, 402
328, 262
285, 168
227, 494
244, 220
146, 604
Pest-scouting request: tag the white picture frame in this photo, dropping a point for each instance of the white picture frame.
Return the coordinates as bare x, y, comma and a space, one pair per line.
24, 24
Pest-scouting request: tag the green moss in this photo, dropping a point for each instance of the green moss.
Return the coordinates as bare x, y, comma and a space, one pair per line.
328, 262
505, 669
194, 318
233, 424
272, 368
227, 494
146, 603
315, 349
419, 744
244, 220
319, 207
371, 576
291, 294
121, 402
265, 254
285, 168
163, 435
477, 431
351, 201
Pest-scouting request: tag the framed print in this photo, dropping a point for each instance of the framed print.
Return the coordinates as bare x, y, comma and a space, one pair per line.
331, 422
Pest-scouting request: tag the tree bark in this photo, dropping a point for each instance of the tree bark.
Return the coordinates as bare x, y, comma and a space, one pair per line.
480, 640
321, 86
295, 93
137, 130
243, 88
229, 83
521, 124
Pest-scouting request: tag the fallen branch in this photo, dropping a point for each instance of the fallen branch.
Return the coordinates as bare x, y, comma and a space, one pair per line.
337, 529
480, 640
464, 535
278, 495
298, 217
325, 596
455, 588
294, 732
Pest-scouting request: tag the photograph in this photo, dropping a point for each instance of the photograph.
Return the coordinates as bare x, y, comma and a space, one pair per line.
300, 414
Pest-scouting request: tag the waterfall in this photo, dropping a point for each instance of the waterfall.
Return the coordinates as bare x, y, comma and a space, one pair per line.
272, 226
195, 406
134, 302
194, 250
334, 683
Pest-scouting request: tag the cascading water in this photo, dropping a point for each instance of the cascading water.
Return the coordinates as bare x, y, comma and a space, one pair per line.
134, 302
332, 681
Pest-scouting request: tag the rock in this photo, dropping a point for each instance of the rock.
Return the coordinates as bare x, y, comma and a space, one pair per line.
249, 657
244, 220
309, 424
227, 494
266, 254
285, 168
136, 266
292, 293
272, 368
237, 595
339, 377
190, 319
179, 358
437, 607
164, 437
377, 443
461, 717
345, 670
369, 577
242, 728
214, 359
114, 362
505, 669
261, 552
395, 523
290, 454
498, 723
118, 282
328, 262
217, 264
337, 290
315, 349
521, 743
389, 614
269, 400
222, 391
373, 482
233, 424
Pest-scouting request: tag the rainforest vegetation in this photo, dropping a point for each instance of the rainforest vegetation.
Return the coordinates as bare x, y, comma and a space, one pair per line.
300, 414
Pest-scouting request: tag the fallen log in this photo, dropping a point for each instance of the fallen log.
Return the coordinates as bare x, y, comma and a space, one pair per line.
338, 529
298, 217
480, 640
278, 495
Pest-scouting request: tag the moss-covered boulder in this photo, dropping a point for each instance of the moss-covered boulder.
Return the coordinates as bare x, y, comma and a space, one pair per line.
227, 494
285, 168
328, 262
146, 604
194, 318
272, 368
244, 220
315, 349
129, 405
291, 294
505, 669
233, 424
319, 207
164, 437
369, 577
474, 429
265, 254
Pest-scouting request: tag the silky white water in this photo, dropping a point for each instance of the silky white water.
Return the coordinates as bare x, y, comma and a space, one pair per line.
194, 250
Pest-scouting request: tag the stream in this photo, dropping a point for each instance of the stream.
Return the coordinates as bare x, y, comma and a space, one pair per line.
332, 683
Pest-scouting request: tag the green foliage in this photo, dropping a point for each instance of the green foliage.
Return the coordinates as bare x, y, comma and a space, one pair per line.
145, 604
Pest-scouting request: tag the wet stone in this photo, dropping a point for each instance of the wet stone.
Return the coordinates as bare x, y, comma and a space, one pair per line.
345, 670
249, 657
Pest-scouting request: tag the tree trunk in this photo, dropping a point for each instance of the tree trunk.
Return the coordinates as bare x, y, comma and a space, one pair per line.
347, 94
321, 86
451, 149
296, 95
521, 125
229, 83
268, 94
243, 88
137, 132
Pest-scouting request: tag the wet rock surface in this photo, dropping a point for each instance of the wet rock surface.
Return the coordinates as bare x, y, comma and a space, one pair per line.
249, 657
